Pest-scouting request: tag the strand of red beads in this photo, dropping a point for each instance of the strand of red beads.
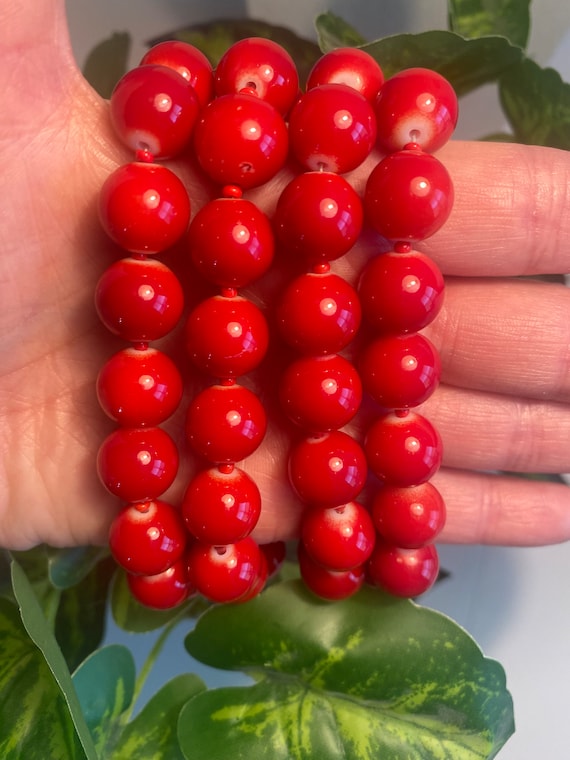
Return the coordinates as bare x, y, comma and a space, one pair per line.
240, 142
235, 121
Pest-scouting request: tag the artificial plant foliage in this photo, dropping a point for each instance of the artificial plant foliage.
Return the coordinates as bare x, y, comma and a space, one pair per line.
358, 678
480, 18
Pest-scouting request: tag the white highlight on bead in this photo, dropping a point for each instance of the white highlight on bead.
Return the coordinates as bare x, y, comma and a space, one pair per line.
328, 307
335, 464
144, 457
233, 418
162, 102
235, 329
146, 292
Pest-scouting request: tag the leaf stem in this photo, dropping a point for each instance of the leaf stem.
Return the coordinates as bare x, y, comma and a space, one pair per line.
151, 659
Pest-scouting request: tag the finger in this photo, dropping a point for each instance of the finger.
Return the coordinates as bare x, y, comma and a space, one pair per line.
496, 509
510, 217
505, 336
488, 431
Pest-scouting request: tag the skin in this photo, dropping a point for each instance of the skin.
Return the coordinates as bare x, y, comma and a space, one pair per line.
504, 400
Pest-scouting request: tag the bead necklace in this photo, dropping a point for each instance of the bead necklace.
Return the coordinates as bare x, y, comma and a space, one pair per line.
369, 510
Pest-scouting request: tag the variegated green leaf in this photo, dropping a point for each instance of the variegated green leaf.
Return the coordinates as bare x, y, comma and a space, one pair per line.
477, 18
368, 677
41, 634
35, 723
105, 685
152, 734
466, 63
334, 32
537, 103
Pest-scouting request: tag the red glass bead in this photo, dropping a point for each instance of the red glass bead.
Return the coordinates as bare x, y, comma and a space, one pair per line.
349, 66
231, 242
260, 65
409, 517
224, 573
138, 387
408, 196
320, 393
400, 292
403, 450
400, 371
339, 538
332, 128
259, 583
165, 590
221, 507
137, 464
187, 61
416, 106
403, 572
329, 584
153, 109
327, 470
147, 538
240, 140
318, 313
139, 299
318, 217
225, 423
144, 207
226, 336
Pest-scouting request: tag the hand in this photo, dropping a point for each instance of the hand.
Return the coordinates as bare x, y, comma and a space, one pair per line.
503, 404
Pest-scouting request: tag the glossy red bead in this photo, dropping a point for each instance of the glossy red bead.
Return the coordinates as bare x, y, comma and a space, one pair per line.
144, 207
165, 590
318, 313
148, 537
409, 517
327, 470
139, 299
240, 140
224, 573
400, 292
403, 450
261, 65
153, 109
408, 196
137, 387
400, 371
403, 572
231, 242
332, 585
339, 538
226, 336
225, 423
320, 393
415, 106
187, 61
332, 128
318, 217
137, 464
221, 507
350, 66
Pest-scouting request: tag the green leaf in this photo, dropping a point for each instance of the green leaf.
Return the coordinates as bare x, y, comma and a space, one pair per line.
80, 619
68, 567
134, 617
368, 677
537, 104
334, 32
34, 563
152, 734
215, 37
107, 63
478, 18
41, 635
34, 719
105, 685
466, 63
